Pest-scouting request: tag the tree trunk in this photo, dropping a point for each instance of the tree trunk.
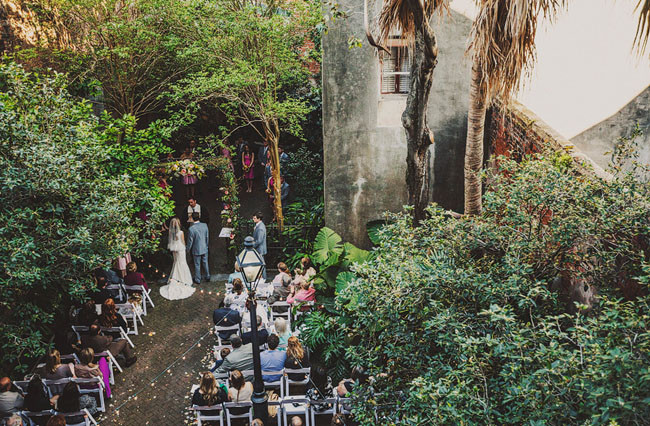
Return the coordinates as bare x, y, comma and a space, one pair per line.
414, 119
273, 138
474, 143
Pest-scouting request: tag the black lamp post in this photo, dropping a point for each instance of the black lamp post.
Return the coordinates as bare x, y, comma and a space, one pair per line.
252, 266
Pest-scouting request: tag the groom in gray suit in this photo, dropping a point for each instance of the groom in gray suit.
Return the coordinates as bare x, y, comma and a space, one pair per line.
197, 245
259, 235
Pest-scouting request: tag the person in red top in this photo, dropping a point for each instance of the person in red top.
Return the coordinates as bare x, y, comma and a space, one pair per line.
133, 277
305, 294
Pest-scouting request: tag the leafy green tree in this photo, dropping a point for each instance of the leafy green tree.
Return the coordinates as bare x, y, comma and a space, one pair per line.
132, 49
67, 206
253, 56
533, 312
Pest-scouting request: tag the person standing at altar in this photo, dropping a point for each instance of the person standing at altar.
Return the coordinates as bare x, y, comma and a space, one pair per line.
197, 245
194, 207
259, 235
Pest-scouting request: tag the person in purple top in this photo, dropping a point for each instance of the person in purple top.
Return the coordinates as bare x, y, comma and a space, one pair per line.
272, 359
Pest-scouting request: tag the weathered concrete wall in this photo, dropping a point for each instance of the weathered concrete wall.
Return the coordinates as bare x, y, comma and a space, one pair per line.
602, 137
364, 142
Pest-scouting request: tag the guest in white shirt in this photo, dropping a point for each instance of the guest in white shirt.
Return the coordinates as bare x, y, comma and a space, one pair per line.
236, 299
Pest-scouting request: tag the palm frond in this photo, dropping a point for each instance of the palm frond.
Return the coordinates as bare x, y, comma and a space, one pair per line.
643, 28
502, 41
400, 14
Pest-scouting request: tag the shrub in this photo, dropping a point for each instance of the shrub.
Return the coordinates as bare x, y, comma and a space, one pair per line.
476, 321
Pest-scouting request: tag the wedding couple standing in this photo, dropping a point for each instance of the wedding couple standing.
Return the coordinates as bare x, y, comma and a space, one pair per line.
180, 279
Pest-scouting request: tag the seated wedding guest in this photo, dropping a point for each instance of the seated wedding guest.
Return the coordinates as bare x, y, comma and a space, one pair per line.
272, 359
262, 334
102, 293
240, 391
226, 317
37, 399
11, 401
345, 386
71, 401
101, 343
87, 314
236, 299
224, 352
86, 369
236, 275
58, 420
241, 357
282, 328
305, 294
306, 270
133, 277
54, 370
296, 358
110, 317
209, 394
282, 278
320, 388
296, 421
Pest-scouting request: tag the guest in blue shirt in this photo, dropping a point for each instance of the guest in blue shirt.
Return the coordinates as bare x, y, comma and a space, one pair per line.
272, 359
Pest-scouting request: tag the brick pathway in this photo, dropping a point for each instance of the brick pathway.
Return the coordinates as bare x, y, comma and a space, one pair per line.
168, 331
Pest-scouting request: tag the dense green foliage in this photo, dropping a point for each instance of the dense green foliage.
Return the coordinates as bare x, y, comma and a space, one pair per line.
469, 321
70, 192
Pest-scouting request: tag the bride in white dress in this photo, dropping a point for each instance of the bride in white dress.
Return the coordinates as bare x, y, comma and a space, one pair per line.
180, 279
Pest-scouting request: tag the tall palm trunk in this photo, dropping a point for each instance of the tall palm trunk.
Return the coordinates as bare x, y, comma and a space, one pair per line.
474, 143
414, 119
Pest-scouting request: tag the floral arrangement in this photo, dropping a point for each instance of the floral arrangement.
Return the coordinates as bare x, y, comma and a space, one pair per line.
186, 167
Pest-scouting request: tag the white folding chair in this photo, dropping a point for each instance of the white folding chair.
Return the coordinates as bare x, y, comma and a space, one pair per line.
295, 406
146, 297
300, 310
330, 411
343, 405
286, 314
22, 385
230, 405
36, 416
203, 414
276, 383
230, 329
92, 386
289, 382
129, 312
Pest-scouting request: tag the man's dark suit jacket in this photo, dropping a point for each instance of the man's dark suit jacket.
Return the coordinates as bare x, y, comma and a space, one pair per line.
99, 343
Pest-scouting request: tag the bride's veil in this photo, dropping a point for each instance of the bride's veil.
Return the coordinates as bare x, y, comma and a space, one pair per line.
174, 234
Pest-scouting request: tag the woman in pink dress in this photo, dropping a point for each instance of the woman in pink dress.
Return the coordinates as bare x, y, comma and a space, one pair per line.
248, 160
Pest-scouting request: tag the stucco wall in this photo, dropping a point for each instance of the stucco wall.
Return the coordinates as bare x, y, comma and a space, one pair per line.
364, 142
602, 138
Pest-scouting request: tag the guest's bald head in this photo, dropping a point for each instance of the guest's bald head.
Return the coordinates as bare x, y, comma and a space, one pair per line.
5, 384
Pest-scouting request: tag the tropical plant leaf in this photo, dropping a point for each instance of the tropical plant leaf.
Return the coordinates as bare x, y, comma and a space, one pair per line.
326, 244
343, 279
354, 254
373, 227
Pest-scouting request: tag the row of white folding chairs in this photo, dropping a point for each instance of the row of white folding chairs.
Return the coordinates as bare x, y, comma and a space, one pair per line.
88, 418
289, 406
283, 383
96, 387
79, 329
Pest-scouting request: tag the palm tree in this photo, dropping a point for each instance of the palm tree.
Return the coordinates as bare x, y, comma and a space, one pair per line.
412, 17
502, 43
503, 49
